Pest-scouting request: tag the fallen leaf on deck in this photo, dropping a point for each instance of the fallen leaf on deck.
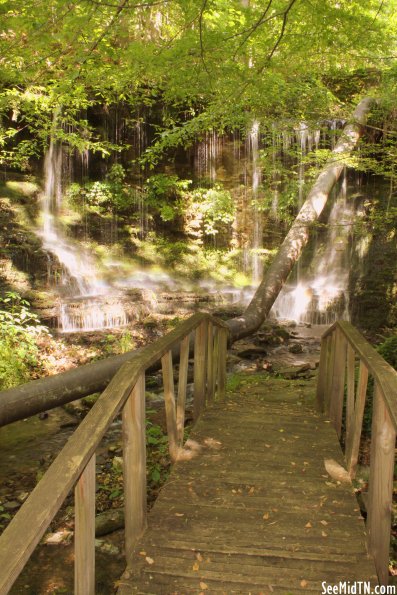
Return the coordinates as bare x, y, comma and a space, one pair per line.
303, 583
266, 516
336, 471
196, 567
324, 534
324, 523
203, 586
308, 525
179, 514
199, 557
149, 560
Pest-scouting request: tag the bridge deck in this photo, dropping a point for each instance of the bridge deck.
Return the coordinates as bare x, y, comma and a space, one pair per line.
255, 511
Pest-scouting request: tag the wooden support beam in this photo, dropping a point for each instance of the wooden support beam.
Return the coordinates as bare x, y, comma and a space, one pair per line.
338, 382
330, 358
200, 368
350, 382
353, 436
222, 354
134, 465
383, 441
84, 531
170, 408
210, 365
322, 374
182, 385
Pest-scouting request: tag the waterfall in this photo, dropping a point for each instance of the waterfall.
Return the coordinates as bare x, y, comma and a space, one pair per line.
87, 302
320, 295
257, 240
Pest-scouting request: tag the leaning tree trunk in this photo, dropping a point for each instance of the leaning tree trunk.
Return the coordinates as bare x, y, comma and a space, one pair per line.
46, 393
298, 235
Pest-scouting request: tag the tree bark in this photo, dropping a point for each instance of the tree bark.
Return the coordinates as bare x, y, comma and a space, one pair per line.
47, 393
299, 234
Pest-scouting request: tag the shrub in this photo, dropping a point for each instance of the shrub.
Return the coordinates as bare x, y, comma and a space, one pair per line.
19, 329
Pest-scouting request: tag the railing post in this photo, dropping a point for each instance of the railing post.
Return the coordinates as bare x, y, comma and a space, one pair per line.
350, 369
215, 358
210, 362
383, 441
329, 368
353, 435
134, 464
169, 399
322, 374
84, 532
200, 368
338, 382
182, 384
222, 354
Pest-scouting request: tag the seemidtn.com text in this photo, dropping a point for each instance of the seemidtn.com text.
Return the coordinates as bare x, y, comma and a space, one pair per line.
357, 588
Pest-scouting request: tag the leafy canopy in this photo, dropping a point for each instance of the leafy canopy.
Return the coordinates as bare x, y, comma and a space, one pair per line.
209, 63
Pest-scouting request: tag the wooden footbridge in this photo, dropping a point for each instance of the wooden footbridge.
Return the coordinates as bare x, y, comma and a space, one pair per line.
258, 500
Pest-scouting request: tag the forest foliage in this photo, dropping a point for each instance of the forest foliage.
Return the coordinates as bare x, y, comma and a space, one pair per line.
208, 64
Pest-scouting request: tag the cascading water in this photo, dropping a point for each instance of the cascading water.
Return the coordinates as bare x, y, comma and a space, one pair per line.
257, 239
320, 294
87, 302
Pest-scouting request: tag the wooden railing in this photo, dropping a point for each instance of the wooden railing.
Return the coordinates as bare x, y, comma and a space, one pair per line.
346, 362
75, 465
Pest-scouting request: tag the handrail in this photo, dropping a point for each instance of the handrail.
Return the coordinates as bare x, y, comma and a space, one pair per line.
346, 361
76, 461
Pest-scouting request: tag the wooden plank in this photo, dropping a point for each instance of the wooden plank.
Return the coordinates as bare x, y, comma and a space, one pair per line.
170, 409
383, 441
182, 385
84, 532
210, 364
354, 436
222, 354
338, 382
200, 369
322, 374
134, 464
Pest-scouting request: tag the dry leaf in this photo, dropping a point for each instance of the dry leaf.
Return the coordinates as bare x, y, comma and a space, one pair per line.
142, 553
324, 534
304, 583
266, 516
149, 560
336, 471
268, 445
179, 514
281, 430
196, 567
251, 491
324, 523
199, 557
308, 525
203, 586
293, 464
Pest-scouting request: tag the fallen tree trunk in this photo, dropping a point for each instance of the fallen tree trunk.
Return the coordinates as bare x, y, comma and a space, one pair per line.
298, 235
47, 393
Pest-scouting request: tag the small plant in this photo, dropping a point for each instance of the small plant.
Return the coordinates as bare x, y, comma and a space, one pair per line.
19, 330
388, 350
